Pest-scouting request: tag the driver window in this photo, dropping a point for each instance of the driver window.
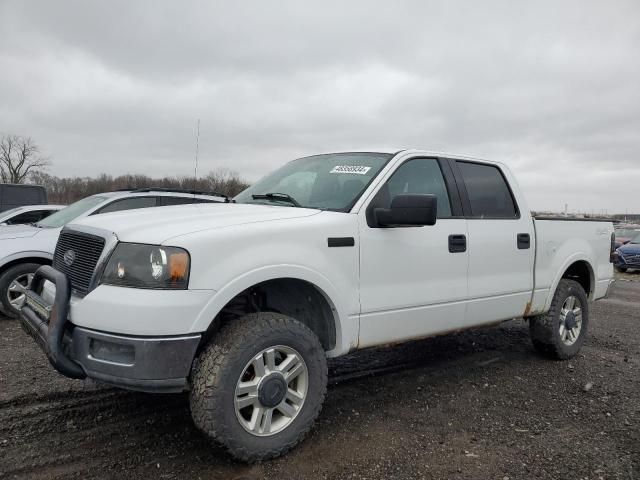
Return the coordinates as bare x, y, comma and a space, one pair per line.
420, 175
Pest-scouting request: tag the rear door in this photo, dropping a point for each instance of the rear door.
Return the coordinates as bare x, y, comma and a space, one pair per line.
501, 249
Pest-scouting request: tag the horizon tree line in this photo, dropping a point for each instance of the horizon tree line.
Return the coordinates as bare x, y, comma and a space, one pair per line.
22, 162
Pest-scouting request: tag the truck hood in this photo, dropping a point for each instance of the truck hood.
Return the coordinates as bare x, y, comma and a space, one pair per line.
156, 225
17, 231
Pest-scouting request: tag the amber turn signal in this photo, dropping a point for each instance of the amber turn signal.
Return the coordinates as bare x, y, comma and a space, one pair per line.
178, 266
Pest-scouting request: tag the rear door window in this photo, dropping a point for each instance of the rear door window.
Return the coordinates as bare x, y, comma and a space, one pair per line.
129, 204
167, 201
488, 191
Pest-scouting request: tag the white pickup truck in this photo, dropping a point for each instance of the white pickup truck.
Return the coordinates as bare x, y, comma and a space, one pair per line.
241, 303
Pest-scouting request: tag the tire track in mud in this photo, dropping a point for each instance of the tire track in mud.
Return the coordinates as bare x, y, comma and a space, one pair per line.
67, 430
113, 423
107, 424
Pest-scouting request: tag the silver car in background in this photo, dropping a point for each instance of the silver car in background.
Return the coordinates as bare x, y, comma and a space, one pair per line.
24, 248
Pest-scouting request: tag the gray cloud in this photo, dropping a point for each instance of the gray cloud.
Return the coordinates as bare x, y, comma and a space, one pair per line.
550, 88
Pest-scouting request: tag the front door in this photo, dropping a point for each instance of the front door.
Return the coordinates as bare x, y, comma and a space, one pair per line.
413, 280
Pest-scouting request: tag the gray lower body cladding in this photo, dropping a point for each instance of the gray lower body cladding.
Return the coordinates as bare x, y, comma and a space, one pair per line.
152, 364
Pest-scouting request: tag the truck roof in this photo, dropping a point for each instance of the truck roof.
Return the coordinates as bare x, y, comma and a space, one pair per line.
429, 153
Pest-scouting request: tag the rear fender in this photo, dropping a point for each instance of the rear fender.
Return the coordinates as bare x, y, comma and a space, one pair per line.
578, 257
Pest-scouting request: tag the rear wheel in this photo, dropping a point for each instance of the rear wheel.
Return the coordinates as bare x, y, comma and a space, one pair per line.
13, 284
561, 332
259, 386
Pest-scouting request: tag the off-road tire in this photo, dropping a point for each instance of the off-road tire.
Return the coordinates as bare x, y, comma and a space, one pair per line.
544, 329
621, 269
219, 366
5, 280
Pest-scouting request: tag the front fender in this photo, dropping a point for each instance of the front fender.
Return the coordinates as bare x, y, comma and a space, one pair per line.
346, 327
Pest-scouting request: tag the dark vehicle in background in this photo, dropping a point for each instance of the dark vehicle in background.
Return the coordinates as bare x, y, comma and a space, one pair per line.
628, 255
14, 195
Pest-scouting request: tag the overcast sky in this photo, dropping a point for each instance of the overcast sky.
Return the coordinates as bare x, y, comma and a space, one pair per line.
550, 88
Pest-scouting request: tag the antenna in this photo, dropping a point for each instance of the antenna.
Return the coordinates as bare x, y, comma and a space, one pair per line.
195, 170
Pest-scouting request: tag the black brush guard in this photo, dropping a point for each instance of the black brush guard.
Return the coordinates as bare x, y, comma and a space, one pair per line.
46, 323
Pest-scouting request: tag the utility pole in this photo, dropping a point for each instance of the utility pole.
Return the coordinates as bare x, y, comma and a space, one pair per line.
195, 169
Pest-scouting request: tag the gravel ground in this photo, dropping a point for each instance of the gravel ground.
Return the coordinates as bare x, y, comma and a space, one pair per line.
480, 404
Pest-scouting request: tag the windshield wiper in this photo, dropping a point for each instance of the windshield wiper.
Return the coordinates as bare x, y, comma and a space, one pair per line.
277, 196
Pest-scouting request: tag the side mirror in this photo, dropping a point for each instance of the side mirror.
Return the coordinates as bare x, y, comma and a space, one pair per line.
408, 210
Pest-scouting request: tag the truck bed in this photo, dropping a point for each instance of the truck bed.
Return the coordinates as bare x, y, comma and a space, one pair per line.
561, 242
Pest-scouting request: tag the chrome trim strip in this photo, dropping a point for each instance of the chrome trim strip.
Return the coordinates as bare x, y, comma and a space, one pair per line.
142, 338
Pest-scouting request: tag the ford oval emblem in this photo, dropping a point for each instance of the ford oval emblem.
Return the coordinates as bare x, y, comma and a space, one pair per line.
69, 257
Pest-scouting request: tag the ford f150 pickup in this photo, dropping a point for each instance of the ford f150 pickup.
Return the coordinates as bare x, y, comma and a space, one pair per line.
241, 303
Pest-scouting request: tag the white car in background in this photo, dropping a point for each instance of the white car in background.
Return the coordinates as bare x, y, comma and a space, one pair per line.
24, 248
28, 214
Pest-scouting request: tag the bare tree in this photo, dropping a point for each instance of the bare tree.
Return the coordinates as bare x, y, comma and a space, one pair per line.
69, 189
19, 157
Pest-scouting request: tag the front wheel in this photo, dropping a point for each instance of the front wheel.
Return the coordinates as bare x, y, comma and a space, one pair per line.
560, 333
14, 282
621, 269
259, 386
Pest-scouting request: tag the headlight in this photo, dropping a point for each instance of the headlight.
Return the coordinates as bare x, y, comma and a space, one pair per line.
147, 266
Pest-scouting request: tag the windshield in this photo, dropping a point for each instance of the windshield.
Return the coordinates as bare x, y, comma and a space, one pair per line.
326, 182
635, 238
73, 211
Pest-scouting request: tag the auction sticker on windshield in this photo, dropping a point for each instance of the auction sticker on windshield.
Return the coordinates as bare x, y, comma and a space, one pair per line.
357, 169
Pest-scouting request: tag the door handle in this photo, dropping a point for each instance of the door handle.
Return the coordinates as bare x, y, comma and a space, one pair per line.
457, 243
524, 241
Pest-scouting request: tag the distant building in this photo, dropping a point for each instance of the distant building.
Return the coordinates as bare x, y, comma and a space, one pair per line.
631, 217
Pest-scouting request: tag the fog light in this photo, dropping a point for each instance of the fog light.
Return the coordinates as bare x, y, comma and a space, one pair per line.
112, 352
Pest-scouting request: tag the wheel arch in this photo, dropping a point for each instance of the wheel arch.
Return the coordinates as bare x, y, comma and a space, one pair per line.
294, 291
577, 268
25, 257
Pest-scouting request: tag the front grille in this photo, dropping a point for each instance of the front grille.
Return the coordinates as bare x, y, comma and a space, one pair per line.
83, 252
634, 259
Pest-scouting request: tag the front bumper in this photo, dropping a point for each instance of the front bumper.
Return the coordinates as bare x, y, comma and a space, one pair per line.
153, 364
627, 261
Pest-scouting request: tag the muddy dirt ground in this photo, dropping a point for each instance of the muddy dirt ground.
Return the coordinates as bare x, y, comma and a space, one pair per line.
477, 405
